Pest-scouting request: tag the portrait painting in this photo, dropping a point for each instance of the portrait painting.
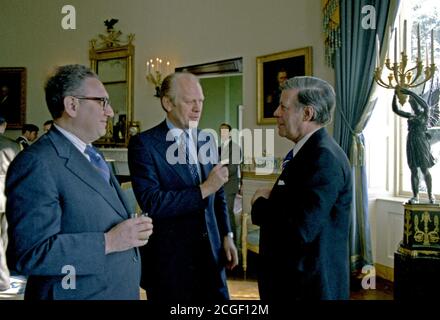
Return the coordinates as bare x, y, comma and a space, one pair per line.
13, 96
272, 71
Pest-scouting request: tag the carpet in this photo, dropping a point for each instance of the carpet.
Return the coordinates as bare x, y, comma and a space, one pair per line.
243, 290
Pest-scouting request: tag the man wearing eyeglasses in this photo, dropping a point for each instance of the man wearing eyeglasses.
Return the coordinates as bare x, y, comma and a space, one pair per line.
69, 223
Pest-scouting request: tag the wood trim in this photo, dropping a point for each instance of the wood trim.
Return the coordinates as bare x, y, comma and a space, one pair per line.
253, 176
384, 272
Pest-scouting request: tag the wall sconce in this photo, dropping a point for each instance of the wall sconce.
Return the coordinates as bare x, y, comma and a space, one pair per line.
157, 70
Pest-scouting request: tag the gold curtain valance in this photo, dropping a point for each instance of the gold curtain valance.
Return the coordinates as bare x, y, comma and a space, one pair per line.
331, 26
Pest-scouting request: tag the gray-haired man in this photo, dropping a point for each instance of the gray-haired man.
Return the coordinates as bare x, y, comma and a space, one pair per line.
304, 219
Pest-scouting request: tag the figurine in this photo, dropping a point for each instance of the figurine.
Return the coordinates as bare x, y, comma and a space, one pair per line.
418, 147
110, 24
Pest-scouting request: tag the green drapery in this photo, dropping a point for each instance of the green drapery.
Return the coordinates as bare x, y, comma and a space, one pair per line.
354, 67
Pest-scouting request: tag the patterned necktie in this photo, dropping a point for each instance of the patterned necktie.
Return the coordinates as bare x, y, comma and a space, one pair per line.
184, 146
99, 163
287, 158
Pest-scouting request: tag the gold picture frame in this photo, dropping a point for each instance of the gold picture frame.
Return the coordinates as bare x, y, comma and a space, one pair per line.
273, 68
112, 60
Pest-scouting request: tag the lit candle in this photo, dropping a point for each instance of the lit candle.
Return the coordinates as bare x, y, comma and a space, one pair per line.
168, 67
432, 46
419, 55
390, 30
395, 45
377, 51
148, 68
404, 36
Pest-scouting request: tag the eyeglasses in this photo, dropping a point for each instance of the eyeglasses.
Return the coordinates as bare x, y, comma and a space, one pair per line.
105, 102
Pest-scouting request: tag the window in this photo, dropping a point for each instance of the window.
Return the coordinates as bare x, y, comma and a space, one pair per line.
387, 169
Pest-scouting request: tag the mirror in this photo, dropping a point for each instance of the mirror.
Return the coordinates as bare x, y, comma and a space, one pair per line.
113, 63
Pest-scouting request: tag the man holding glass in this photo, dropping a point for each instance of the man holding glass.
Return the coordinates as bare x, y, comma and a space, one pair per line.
70, 230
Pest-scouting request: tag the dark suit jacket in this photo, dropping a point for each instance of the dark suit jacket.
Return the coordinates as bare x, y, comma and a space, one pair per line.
231, 152
305, 225
183, 221
58, 209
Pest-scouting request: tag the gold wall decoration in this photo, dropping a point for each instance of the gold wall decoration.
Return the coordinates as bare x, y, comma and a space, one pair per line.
111, 38
112, 60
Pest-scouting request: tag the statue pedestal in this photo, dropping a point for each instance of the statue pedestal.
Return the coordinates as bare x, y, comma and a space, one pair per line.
417, 260
421, 230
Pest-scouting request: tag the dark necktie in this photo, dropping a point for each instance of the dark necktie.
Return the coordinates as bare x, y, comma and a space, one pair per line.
184, 146
99, 163
287, 158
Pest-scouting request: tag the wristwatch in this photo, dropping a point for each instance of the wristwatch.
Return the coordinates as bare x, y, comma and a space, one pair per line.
230, 235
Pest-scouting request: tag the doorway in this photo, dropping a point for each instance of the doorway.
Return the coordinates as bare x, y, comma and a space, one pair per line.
223, 96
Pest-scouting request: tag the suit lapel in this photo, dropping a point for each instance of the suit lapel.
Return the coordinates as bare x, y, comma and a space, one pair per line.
83, 169
308, 149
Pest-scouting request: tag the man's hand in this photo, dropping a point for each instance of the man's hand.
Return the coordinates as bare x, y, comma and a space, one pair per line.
218, 176
230, 252
261, 192
128, 234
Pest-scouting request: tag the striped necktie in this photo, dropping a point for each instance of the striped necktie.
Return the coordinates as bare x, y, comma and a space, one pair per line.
99, 163
184, 147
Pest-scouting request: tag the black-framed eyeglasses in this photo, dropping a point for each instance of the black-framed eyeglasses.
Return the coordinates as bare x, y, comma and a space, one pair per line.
105, 102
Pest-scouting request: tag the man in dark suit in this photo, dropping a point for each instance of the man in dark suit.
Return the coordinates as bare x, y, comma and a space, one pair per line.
304, 219
29, 133
230, 154
8, 150
184, 260
70, 230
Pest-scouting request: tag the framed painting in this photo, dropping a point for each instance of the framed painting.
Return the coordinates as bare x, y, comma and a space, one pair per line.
272, 71
13, 96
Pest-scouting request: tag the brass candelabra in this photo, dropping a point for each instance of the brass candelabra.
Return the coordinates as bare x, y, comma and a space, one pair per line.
155, 73
401, 75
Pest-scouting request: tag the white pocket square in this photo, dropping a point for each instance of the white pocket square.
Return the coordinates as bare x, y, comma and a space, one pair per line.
281, 182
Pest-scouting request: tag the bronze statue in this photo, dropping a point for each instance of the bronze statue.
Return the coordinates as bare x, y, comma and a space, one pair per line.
110, 24
418, 146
